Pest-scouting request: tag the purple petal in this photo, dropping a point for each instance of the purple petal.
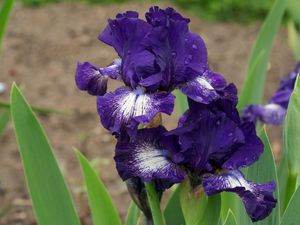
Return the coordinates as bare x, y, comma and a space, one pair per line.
269, 114
125, 32
113, 70
257, 198
125, 107
147, 158
204, 87
248, 153
89, 78
161, 17
281, 98
207, 140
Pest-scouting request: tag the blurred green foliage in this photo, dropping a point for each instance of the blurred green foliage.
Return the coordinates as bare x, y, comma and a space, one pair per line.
228, 10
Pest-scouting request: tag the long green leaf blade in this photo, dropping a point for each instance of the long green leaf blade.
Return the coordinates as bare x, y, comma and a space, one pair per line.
4, 118
291, 215
253, 88
173, 213
103, 210
292, 130
51, 199
133, 214
4, 17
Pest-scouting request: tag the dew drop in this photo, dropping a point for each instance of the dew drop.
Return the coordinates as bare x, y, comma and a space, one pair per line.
174, 54
230, 134
194, 46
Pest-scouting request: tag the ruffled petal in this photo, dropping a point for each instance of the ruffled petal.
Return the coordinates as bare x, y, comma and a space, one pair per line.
147, 158
125, 107
125, 32
257, 198
161, 17
204, 87
89, 78
207, 140
269, 114
248, 153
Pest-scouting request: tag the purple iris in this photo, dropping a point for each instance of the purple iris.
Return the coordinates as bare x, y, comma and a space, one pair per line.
156, 56
274, 112
211, 144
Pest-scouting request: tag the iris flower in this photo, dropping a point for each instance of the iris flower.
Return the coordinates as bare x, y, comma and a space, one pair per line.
210, 146
274, 112
156, 56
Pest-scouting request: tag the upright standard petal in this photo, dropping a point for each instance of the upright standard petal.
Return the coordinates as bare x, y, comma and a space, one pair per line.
127, 108
89, 78
203, 88
147, 158
257, 198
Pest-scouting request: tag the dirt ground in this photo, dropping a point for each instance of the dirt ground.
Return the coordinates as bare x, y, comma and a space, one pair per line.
40, 52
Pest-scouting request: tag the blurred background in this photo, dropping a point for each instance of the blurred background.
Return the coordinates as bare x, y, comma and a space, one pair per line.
46, 38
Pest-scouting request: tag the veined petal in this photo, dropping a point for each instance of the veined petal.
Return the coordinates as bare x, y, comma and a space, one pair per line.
269, 114
89, 78
113, 70
125, 107
204, 87
147, 158
257, 198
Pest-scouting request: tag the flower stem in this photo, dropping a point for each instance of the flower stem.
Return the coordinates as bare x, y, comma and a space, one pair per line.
154, 203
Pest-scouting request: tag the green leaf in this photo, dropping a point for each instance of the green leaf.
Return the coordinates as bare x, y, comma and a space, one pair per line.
231, 202
51, 199
181, 103
4, 118
4, 17
154, 203
133, 214
173, 213
103, 210
264, 170
293, 8
36, 109
294, 39
292, 130
253, 88
283, 173
197, 207
230, 219
291, 215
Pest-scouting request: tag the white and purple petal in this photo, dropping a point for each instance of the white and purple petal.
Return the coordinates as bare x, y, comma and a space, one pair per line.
269, 114
147, 158
113, 70
203, 88
257, 198
89, 78
125, 107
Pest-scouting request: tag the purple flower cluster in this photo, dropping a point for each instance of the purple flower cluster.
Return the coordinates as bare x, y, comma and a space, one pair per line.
211, 143
274, 112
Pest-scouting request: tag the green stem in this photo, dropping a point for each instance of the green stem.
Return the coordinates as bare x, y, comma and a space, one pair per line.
290, 187
154, 203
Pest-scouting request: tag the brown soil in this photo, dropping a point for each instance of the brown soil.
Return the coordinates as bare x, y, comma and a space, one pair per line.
40, 52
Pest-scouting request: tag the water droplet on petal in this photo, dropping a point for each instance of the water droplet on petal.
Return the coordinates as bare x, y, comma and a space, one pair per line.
174, 54
194, 46
230, 134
